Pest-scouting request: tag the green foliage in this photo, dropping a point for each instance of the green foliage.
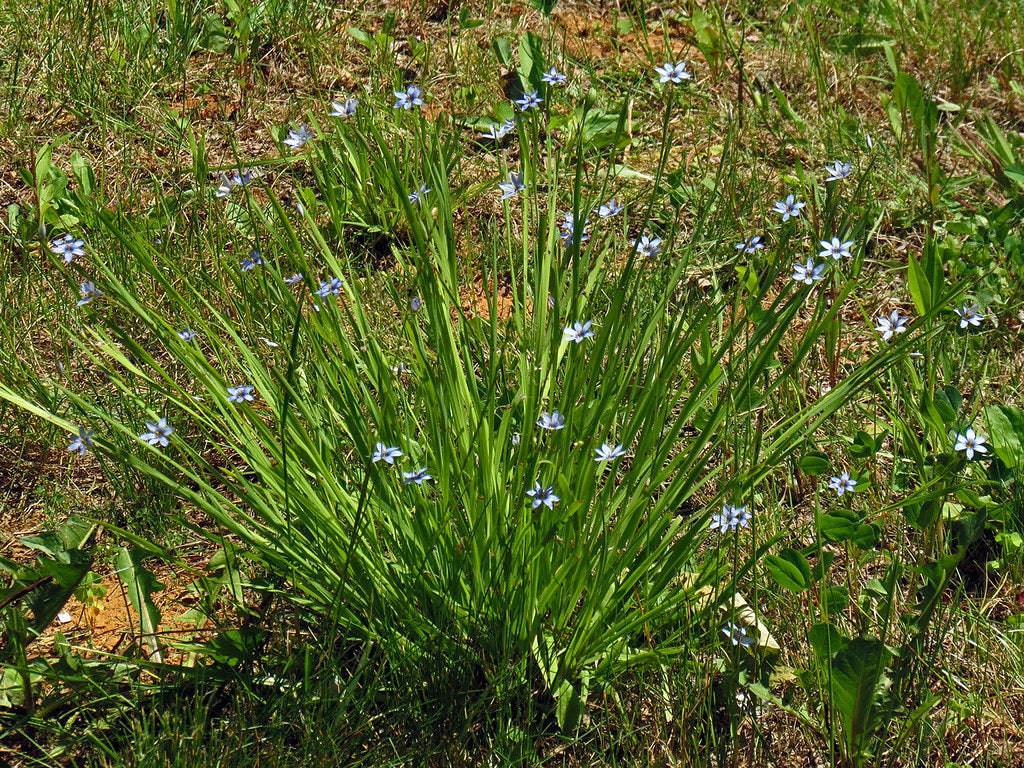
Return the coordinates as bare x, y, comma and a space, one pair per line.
333, 609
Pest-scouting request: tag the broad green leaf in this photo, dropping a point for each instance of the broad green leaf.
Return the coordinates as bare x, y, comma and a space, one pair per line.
917, 283
140, 584
856, 677
815, 463
790, 570
1006, 430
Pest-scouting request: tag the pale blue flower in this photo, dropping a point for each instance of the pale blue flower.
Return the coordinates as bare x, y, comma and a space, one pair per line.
89, 291
67, 247
553, 420
609, 452
673, 72
253, 260
970, 442
492, 131
579, 332
294, 279
970, 315
609, 209
416, 477
411, 97
298, 136
838, 169
751, 246
511, 187
789, 208
529, 100
573, 230
82, 442
242, 393
808, 273
329, 287
228, 183
417, 195
224, 189
345, 108
385, 453
842, 483
648, 245
737, 635
157, 433
730, 518
415, 303
836, 248
741, 516
542, 496
553, 77
498, 130
187, 335
889, 326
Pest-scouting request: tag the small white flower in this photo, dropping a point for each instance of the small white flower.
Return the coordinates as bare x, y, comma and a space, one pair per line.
385, 453
552, 421
542, 496
345, 108
789, 208
511, 187
82, 442
609, 452
647, 245
835, 248
808, 273
673, 72
156, 433
579, 332
970, 442
891, 324
842, 483
750, 246
838, 169
609, 209
970, 315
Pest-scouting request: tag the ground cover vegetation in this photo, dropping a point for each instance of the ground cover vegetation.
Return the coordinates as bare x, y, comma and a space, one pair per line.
472, 383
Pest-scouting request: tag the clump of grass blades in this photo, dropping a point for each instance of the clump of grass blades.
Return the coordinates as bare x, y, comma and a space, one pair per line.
465, 568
